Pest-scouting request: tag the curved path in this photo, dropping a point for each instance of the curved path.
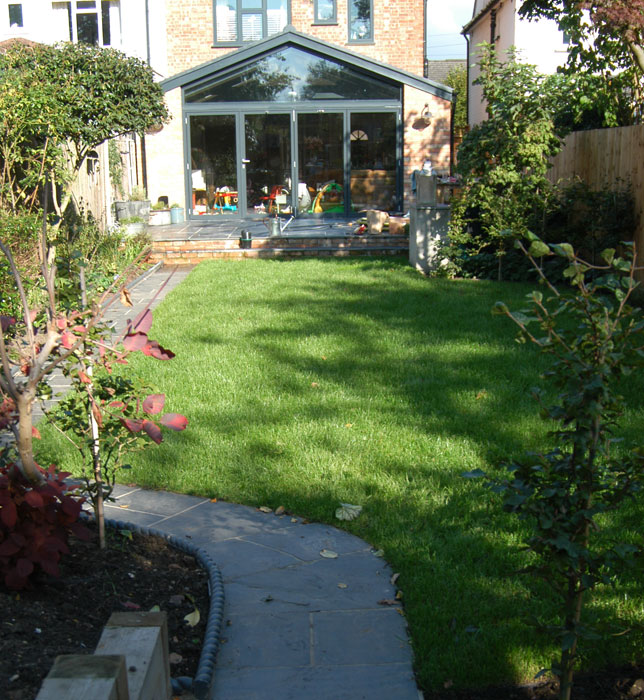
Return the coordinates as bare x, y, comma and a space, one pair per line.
297, 625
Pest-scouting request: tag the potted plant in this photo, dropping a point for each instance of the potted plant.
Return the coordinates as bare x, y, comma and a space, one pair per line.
134, 225
176, 214
137, 205
160, 214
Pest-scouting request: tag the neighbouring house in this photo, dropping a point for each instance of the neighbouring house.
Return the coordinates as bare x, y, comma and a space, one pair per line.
309, 106
540, 42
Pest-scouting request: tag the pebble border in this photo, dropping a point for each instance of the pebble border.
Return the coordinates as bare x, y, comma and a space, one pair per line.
200, 684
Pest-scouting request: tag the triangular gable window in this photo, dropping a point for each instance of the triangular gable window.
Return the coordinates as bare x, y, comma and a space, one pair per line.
292, 75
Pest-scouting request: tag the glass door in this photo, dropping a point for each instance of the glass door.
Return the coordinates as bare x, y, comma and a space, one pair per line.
373, 156
213, 164
267, 164
320, 163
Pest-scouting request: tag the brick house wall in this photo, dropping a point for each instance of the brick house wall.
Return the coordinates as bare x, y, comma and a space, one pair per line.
397, 25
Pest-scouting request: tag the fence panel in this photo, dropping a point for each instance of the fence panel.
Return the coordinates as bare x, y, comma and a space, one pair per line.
601, 157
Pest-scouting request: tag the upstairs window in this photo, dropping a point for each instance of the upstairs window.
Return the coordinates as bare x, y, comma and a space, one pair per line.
88, 21
15, 15
240, 21
326, 12
360, 21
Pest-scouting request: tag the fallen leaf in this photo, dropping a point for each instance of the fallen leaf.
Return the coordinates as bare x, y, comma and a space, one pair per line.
126, 299
342, 585
155, 608
280, 510
175, 658
324, 357
481, 395
347, 511
124, 505
379, 553
265, 509
193, 618
387, 601
394, 578
130, 605
315, 385
293, 520
213, 500
348, 425
328, 554
399, 595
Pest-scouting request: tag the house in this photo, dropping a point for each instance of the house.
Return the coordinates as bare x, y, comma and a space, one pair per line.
540, 42
304, 106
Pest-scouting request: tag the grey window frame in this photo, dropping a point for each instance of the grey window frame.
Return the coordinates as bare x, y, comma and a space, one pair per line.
370, 38
240, 12
318, 20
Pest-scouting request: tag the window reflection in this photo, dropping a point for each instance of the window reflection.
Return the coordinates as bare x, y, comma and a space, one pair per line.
291, 75
360, 20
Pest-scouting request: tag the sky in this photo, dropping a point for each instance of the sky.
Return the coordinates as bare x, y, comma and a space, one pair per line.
445, 19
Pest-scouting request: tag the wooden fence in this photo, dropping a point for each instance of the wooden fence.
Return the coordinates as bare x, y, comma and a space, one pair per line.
603, 156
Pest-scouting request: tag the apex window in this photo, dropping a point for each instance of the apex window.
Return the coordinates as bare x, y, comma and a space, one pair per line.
240, 21
326, 12
360, 21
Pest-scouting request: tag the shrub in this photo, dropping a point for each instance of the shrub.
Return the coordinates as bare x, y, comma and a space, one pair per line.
20, 234
35, 523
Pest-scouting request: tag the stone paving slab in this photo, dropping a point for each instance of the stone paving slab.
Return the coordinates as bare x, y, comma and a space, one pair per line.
296, 624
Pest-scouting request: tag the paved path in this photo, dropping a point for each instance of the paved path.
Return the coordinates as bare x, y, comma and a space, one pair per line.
297, 625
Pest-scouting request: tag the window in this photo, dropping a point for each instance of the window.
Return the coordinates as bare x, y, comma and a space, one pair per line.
88, 21
360, 21
15, 15
239, 21
326, 12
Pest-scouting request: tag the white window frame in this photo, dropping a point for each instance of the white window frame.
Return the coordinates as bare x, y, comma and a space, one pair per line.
74, 11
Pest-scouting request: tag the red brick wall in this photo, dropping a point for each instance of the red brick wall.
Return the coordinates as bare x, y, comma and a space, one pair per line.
397, 24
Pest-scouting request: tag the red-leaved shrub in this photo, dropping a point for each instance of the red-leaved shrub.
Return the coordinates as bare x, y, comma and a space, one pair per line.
35, 524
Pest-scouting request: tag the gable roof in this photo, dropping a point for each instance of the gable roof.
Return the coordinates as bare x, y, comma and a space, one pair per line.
291, 37
478, 16
439, 69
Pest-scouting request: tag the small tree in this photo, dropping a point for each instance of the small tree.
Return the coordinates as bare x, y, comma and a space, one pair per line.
59, 103
595, 338
457, 79
76, 341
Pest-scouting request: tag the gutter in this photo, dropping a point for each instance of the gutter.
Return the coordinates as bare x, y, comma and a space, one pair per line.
478, 17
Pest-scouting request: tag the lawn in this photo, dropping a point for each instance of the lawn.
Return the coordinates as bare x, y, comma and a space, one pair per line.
308, 383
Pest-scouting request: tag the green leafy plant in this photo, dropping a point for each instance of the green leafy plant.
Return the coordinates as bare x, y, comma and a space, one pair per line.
138, 194
115, 166
595, 338
176, 206
59, 103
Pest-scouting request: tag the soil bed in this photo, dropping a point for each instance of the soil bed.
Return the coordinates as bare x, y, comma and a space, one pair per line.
66, 615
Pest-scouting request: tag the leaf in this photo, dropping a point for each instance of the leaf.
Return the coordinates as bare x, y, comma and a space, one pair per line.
193, 618
153, 349
387, 601
155, 608
35, 433
394, 578
67, 339
6, 321
265, 509
153, 431
126, 298
34, 499
134, 425
280, 510
154, 403
174, 421
143, 322
328, 554
130, 605
135, 341
538, 249
564, 250
474, 474
342, 585
347, 511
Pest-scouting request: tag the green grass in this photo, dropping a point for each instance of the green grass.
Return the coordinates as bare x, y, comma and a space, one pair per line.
313, 382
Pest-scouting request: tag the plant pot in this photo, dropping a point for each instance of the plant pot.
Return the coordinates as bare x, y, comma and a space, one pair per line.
160, 217
128, 210
135, 229
176, 215
245, 240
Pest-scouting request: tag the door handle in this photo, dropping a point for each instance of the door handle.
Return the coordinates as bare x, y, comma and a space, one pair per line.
245, 160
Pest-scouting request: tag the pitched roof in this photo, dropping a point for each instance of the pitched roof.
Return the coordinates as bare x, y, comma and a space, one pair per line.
439, 70
291, 37
487, 7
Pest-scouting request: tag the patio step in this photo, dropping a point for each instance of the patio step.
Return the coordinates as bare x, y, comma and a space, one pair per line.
191, 252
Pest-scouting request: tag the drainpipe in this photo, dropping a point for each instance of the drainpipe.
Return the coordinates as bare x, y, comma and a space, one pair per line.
425, 63
467, 73
144, 165
451, 134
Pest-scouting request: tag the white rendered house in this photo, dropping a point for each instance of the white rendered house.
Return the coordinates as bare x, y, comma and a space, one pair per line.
540, 42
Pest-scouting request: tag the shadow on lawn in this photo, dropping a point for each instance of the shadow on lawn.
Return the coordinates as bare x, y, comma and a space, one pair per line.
448, 376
